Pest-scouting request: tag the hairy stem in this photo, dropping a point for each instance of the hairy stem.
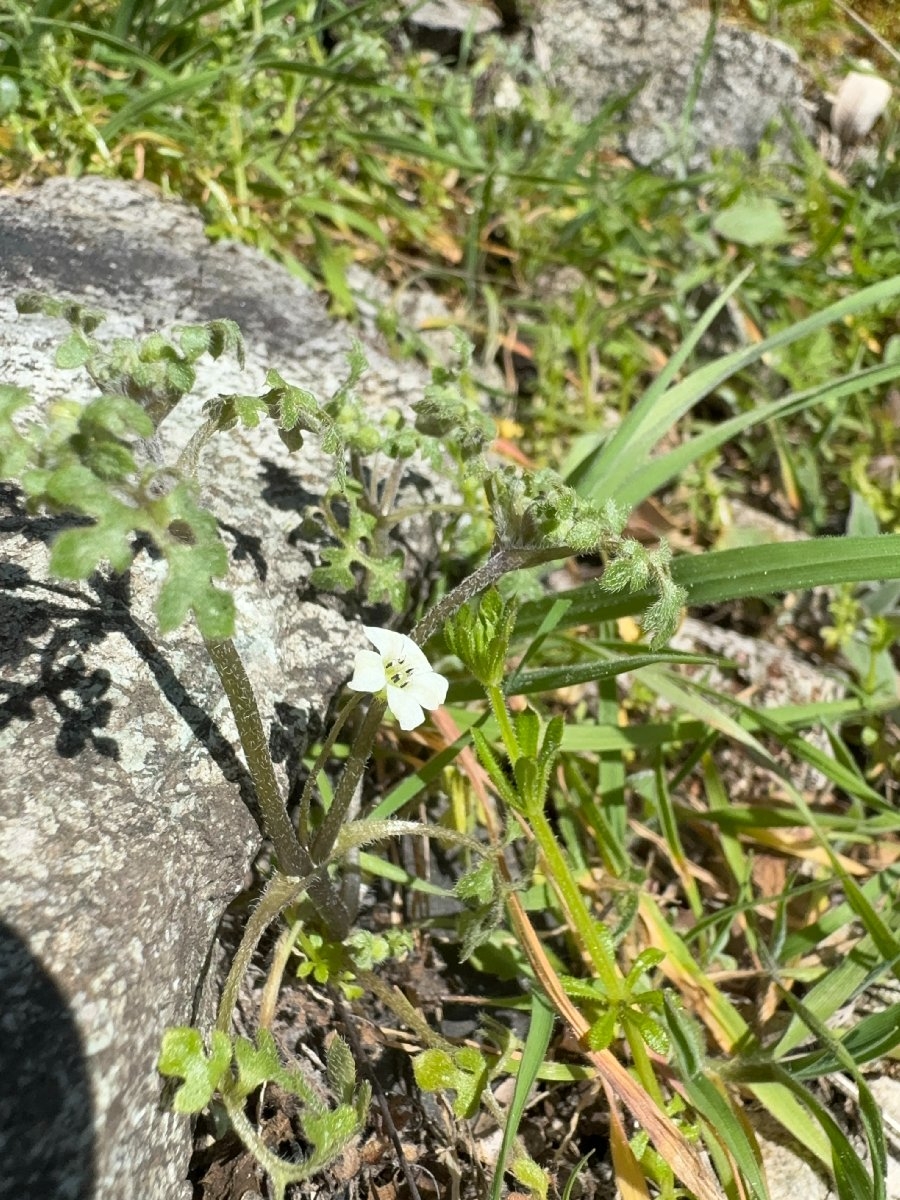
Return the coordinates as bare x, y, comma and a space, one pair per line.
280, 892
573, 902
499, 564
283, 948
327, 834
319, 765
292, 858
395, 1000
501, 716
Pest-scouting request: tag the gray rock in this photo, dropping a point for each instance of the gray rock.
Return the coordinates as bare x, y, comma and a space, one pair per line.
441, 25
598, 50
124, 826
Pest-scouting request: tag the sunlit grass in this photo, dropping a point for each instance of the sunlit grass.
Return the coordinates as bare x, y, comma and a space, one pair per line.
326, 139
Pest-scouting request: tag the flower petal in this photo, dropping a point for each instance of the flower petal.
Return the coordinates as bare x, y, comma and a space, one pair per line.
428, 688
392, 646
405, 707
388, 643
368, 672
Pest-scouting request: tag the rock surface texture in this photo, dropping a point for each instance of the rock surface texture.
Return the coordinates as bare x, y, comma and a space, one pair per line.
124, 825
663, 51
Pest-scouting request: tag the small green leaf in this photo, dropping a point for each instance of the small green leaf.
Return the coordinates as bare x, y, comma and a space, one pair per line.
465, 1073
645, 961
752, 221
534, 1177
195, 340
650, 1030
74, 351
226, 337
188, 588
257, 1064
16, 449
341, 1070
434, 1070
329, 1131
477, 885
603, 1030
183, 1057
114, 416
77, 553
180, 377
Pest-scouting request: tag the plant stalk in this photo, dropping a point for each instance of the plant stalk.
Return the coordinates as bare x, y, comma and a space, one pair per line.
328, 831
281, 891
573, 902
319, 765
500, 563
292, 858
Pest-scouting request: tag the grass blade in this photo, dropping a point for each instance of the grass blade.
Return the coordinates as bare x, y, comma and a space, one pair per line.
616, 464
536, 1043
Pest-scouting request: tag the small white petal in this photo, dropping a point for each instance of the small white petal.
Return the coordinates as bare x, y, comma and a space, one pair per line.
405, 707
393, 646
428, 688
368, 672
388, 643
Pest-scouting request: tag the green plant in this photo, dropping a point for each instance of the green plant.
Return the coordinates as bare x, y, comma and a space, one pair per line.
543, 772
610, 297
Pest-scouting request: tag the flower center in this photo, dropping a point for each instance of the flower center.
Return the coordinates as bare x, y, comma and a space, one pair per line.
398, 673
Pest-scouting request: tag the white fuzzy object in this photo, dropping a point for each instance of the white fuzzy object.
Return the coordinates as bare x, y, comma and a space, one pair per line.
861, 99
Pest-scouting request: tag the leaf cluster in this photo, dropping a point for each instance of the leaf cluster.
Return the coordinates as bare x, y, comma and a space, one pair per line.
233, 1069
84, 462
154, 371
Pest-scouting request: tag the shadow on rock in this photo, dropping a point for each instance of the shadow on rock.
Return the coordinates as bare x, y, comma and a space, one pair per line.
46, 1113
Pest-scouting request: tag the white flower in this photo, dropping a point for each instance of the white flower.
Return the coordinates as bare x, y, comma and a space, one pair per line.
402, 669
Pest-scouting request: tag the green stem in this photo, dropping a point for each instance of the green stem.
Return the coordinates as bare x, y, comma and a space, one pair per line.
573, 903
642, 1064
397, 1002
502, 717
319, 765
280, 892
281, 1172
500, 563
390, 489
645, 1073
398, 515
275, 974
292, 858
327, 834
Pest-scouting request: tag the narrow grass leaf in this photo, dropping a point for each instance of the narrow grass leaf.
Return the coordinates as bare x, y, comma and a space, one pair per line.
586, 479
170, 93
722, 575
871, 1118
713, 1105
548, 679
539, 1030
873, 1037
663, 469
622, 457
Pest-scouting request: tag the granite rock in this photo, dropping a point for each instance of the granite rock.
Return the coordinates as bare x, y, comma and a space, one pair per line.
656, 53
125, 824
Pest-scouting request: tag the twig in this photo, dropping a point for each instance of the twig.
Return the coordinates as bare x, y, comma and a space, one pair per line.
867, 28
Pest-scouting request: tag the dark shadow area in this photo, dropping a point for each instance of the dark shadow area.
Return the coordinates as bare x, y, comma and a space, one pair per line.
46, 1113
247, 547
128, 265
283, 490
54, 627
